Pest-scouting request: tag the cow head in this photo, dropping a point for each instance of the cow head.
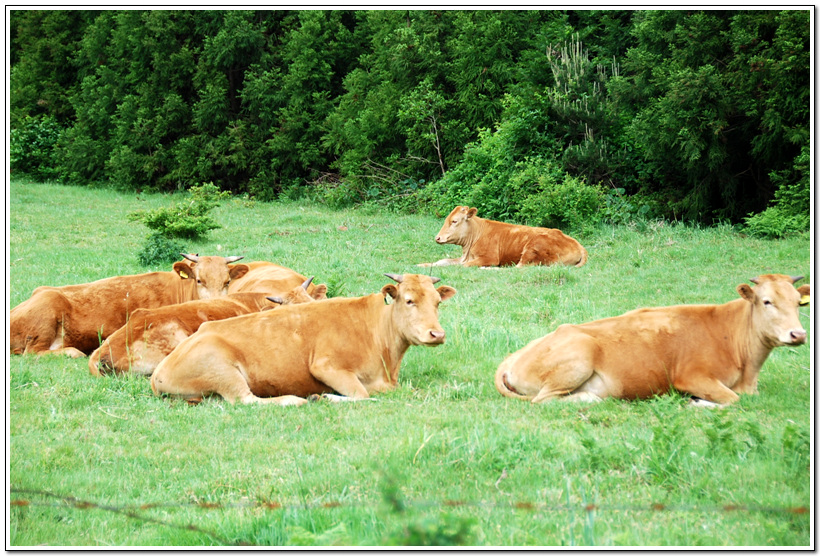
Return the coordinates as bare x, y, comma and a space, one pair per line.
415, 307
775, 303
212, 274
299, 294
456, 227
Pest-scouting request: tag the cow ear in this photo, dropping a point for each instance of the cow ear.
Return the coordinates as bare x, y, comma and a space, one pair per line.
238, 270
446, 292
805, 294
391, 290
319, 292
746, 292
183, 270
472, 212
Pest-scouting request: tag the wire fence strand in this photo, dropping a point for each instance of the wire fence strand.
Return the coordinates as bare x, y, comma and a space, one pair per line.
23, 498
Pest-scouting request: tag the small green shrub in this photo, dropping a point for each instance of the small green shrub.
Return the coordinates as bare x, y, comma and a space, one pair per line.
438, 530
775, 222
790, 210
31, 147
185, 220
159, 250
568, 204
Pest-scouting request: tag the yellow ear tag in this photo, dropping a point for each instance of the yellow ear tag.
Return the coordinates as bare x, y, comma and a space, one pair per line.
182, 273
805, 300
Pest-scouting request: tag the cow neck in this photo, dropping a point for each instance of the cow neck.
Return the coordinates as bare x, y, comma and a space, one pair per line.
750, 348
477, 226
185, 290
393, 343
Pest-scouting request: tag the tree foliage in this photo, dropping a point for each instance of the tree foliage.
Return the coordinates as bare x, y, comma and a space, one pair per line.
700, 114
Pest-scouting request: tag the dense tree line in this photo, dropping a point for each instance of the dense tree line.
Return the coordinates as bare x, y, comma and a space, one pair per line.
701, 115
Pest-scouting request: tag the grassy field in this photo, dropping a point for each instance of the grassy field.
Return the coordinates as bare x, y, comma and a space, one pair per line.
443, 459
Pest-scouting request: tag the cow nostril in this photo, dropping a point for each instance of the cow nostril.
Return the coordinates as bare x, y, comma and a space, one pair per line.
798, 335
437, 334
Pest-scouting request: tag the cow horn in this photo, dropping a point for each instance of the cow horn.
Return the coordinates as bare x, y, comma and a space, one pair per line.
435, 280
192, 258
307, 282
795, 279
276, 299
233, 259
396, 277
754, 280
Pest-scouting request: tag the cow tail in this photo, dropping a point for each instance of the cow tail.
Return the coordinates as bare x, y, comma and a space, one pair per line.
583, 260
93, 363
500, 384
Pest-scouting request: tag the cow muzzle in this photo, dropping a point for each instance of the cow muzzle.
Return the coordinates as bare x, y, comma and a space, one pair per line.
436, 337
797, 337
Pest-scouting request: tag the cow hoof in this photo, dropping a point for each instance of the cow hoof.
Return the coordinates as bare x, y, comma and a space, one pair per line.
292, 400
698, 402
314, 398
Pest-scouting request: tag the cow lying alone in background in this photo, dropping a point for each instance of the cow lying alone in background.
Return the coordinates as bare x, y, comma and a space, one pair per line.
353, 346
151, 334
490, 243
712, 352
72, 320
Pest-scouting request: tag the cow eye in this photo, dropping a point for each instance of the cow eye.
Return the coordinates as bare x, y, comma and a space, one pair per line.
766, 302
409, 301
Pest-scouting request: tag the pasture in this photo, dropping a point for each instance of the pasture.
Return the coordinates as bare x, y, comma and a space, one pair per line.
443, 459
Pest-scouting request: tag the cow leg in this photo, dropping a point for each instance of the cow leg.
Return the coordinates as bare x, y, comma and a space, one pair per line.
697, 402
67, 351
535, 255
218, 377
345, 383
707, 388
338, 399
442, 262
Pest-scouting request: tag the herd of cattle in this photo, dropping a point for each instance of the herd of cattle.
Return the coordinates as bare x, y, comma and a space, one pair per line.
197, 330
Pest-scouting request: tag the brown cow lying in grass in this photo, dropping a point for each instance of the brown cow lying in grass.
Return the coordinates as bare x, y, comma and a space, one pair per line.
713, 352
489, 243
353, 346
151, 334
263, 276
72, 320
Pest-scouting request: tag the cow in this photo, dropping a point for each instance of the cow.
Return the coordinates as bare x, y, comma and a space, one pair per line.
487, 243
711, 352
74, 320
267, 277
151, 334
352, 346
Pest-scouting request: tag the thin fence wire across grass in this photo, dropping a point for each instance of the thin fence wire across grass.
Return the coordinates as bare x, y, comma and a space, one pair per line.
135, 511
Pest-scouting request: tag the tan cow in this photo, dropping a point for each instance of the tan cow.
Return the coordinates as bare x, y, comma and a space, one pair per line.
489, 243
151, 334
267, 277
712, 352
353, 346
73, 320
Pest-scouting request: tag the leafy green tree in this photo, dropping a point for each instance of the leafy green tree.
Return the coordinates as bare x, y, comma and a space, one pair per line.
708, 83
43, 70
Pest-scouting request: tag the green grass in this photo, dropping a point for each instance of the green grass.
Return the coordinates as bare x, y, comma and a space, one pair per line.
443, 459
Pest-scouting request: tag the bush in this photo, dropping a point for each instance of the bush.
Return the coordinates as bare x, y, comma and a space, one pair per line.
159, 250
791, 209
187, 220
568, 204
775, 222
31, 147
